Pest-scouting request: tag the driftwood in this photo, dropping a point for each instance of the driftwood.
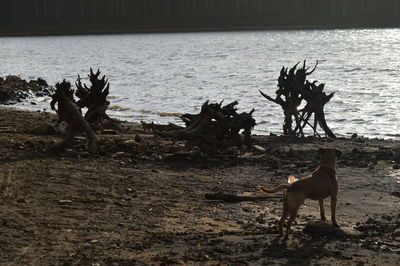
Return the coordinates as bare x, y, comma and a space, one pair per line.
157, 127
94, 98
322, 228
215, 129
293, 89
69, 112
232, 198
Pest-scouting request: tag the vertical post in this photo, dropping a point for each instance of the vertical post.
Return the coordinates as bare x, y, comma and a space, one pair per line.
168, 8
13, 11
344, 8
144, 8
112, 9
94, 15
45, 10
36, 8
122, 8
332, 7
82, 11
70, 11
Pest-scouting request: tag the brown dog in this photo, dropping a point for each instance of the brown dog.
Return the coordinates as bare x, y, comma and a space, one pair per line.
318, 186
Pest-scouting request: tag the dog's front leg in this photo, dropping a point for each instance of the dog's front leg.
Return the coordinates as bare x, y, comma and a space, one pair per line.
333, 210
322, 210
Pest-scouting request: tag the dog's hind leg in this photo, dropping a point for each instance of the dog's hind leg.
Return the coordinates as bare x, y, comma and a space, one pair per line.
285, 214
293, 215
322, 210
333, 210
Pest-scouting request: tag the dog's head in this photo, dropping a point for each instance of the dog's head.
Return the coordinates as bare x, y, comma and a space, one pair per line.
329, 153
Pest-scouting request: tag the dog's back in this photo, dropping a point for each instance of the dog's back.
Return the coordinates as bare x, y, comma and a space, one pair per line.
316, 186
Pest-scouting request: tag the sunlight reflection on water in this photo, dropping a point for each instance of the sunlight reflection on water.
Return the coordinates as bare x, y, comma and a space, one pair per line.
177, 72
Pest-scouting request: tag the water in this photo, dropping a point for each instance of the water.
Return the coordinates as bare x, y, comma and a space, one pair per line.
151, 74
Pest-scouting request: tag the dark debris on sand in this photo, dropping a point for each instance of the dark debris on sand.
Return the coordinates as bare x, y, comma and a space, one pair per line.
140, 201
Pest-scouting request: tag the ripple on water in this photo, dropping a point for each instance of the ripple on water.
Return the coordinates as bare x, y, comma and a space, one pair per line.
178, 72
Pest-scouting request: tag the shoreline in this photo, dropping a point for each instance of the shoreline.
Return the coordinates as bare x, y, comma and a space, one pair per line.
256, 132
131, 29
17, 92
127, 206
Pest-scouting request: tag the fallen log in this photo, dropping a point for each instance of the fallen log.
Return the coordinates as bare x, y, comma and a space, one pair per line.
232, 198
322, 228
157, 127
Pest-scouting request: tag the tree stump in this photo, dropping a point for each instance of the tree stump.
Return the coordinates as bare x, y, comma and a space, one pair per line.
293, 89
94, 98
69, 112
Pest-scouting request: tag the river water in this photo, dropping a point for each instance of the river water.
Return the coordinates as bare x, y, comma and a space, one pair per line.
154, 74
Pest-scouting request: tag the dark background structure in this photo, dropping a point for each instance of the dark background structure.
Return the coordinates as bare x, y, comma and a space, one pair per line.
107, 16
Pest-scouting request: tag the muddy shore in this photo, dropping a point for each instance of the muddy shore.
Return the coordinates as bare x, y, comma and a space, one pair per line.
14, 89
126, 206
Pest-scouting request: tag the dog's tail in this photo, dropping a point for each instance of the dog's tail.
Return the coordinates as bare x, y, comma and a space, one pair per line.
273, 190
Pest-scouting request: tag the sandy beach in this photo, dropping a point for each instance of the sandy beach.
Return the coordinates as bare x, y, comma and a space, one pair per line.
128, 205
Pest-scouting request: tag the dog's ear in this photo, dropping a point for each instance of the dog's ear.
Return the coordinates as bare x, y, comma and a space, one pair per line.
321, 151
339, 153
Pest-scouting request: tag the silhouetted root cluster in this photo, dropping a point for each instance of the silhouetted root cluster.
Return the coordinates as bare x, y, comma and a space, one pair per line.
294, 90
94, 99
215, 129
